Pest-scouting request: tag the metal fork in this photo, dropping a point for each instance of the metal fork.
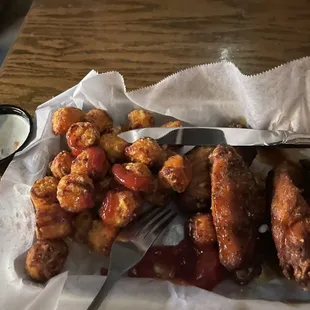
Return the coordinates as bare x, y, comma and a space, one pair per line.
131, 245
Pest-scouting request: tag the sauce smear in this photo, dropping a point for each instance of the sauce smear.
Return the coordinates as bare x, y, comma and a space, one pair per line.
131, 180
181, 264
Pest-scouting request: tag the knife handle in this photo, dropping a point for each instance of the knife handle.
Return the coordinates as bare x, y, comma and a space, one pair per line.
293, 138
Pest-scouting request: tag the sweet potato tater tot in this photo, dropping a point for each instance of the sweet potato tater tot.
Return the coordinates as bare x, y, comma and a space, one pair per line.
119, 207
81, 226
159, 196
75, 192
176, 173
43, 192
61, 164
146, 151
135, 176
114, 147
99, 118
92, 162
201, 230
45, 259
101, 237
82, 135
53, 222
140, 119
172, 124
63, 118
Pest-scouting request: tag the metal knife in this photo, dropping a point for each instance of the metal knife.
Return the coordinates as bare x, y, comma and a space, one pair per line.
217, 135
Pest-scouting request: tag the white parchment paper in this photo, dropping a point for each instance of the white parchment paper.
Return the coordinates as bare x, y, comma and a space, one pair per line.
207, 95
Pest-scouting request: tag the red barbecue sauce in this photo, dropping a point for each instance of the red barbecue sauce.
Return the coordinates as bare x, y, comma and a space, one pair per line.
131, 180
182, 264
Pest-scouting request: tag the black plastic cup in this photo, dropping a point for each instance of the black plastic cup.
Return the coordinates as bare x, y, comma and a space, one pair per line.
13, 114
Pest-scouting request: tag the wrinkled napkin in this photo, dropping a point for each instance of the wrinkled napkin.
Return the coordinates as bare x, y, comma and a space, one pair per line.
205, 95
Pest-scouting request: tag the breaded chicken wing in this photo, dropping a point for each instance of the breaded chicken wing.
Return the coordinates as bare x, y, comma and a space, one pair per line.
238, 209
290, 220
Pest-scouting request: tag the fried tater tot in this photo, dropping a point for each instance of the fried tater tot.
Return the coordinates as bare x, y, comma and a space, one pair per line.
82, 135
102, 187
114, 130
44, 192
201, 230
176, 173
159, 196
53, 222
119, 207
101, 237
92, 162
45, 259
99, 118
146, 151
114, 147
172, 124
134, 176
197, 195
61, 164
169, 150
81, 226
140, 119
63, 118
75, 192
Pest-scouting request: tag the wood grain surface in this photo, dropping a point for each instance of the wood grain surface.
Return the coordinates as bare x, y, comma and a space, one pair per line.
146, 40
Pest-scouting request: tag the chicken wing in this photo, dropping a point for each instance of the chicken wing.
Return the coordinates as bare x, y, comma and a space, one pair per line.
290, 220
238, 209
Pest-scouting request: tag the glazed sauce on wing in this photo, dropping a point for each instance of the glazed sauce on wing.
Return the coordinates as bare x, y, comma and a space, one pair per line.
131, 180
181, 264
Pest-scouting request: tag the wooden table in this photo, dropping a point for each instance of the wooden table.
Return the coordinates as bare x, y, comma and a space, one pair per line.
146, 40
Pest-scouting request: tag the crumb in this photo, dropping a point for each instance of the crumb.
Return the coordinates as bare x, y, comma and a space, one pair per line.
16, 145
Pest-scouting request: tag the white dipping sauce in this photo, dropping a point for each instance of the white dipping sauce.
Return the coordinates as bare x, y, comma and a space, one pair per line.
14, 130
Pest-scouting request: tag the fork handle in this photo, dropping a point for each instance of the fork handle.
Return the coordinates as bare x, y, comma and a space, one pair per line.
112, 277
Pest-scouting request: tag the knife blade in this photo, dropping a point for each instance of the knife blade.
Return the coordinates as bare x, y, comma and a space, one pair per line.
217, 135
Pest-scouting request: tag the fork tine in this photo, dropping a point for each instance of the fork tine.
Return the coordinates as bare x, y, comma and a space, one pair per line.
154, 222
157, 228
143, 226
135, 226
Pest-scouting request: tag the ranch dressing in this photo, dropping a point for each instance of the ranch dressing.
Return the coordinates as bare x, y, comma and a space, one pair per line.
14, 130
